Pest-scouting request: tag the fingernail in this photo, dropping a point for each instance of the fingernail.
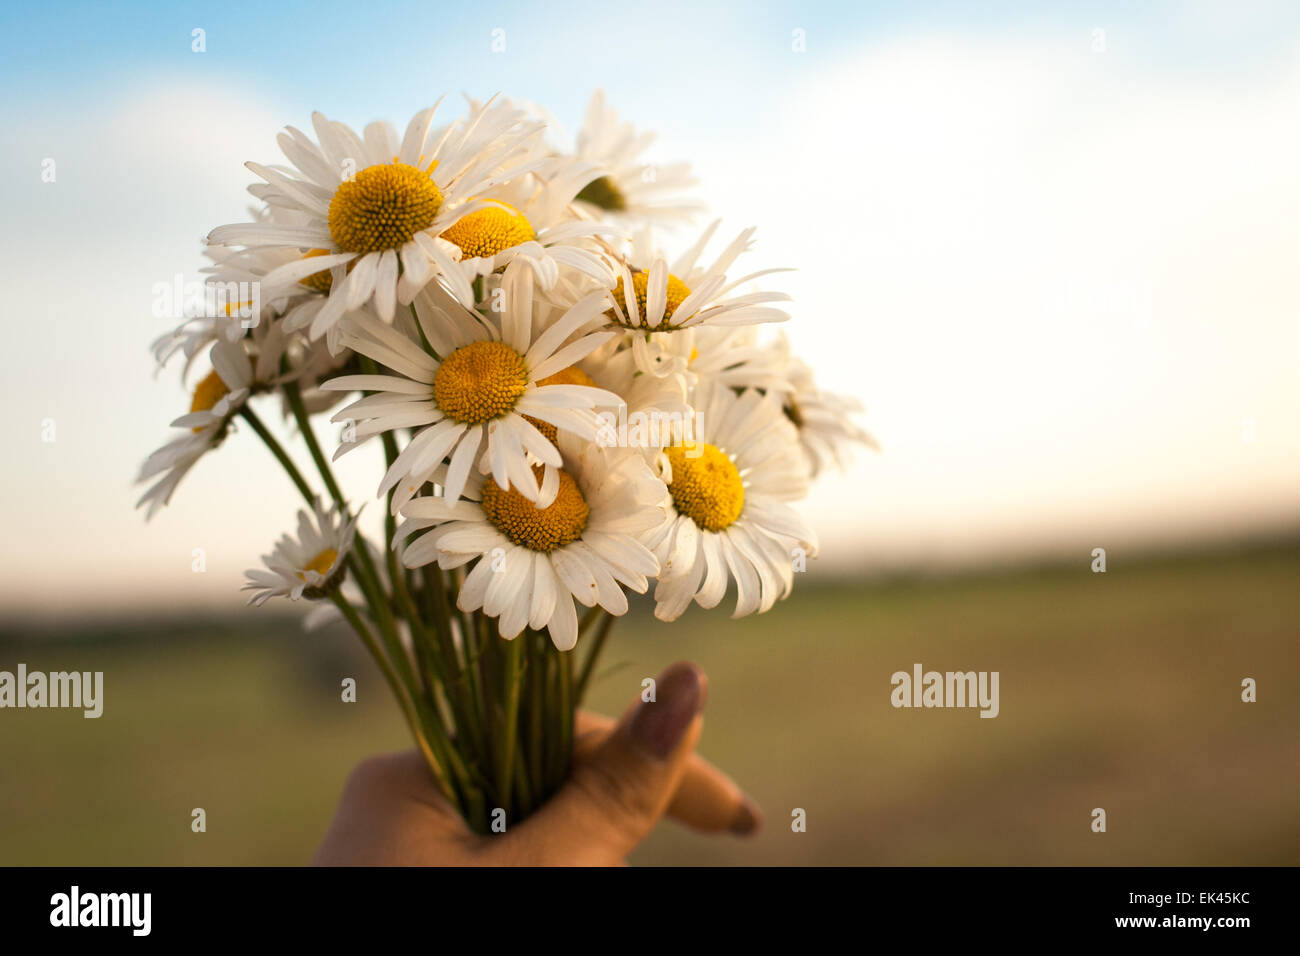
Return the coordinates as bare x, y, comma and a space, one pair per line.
659, 724
748, 818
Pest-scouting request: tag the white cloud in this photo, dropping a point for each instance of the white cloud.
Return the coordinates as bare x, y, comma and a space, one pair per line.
136, 188
1058, 281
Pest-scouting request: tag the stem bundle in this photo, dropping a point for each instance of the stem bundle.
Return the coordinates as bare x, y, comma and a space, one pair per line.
493, 718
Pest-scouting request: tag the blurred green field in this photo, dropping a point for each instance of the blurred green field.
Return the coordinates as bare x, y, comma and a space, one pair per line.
1119, 691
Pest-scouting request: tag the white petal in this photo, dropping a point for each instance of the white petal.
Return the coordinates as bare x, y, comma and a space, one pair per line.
564, 623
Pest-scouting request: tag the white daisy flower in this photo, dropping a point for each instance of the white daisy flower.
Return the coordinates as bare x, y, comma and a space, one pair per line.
190, 338
320, 614
295, 301
199, 329
175, 459
626, 186
824, 420
371, 210
527, 222
532, 563
234, 283
217, 397
479, 389
313, 364
310, 563
685, 295
651, 404
709, 355
728, 515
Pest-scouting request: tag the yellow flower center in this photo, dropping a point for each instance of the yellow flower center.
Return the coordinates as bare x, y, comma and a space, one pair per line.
321, 564
383, 207
677, 291
565, 376
540, 529
233, 309
479, 382
207, 393
490, 230
706, 488
603, 193
322, 281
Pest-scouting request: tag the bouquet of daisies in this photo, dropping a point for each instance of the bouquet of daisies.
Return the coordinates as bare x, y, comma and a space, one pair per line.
566, 415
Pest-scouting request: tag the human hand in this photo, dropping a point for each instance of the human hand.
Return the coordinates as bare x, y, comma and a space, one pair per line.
625, 777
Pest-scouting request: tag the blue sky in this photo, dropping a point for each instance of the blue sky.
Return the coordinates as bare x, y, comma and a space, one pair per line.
340, 52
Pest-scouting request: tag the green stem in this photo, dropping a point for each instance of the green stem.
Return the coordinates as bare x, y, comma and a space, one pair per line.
469, 641
426, 723
278, 451
523, 793
511, 671
461, 687
589, 663
536, 667
373, 593
566, 712
559, 715
399, 693
294, 395
494, 697
363, 566
396, 573
474, 808
365, 572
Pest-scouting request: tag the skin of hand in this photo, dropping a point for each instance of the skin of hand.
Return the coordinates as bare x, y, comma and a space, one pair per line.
625, 776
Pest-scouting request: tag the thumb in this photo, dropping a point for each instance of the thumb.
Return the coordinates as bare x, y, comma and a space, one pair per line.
614, 797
